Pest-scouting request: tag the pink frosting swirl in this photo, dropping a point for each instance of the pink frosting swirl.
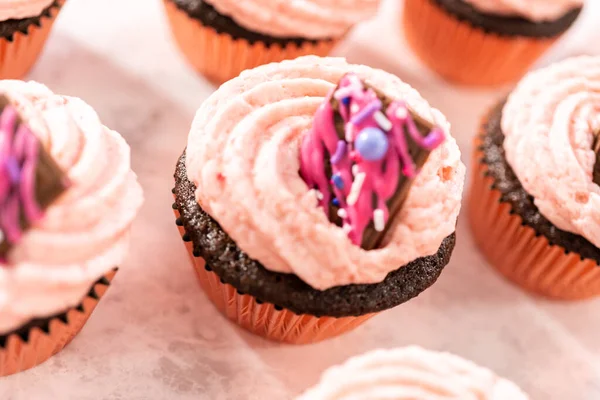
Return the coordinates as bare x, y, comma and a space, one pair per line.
533, 10
313, 19
411, 373
18, 9
243, 156
549, 123
84, 233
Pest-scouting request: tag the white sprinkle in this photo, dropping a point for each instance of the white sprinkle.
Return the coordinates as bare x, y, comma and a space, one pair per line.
347, 228
378, 220
359, 179
402, 113
342, 213
349, 131
383, 122
355, 170
317, 194
354, 108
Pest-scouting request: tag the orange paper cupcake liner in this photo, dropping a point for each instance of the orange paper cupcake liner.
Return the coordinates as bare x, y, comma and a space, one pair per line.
264, 319
220, 57
518, 252
18, 56
20, 353
465, 54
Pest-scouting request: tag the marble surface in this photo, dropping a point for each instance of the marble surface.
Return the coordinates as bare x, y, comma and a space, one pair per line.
155, 336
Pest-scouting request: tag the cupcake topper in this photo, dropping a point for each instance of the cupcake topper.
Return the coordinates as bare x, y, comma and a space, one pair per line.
30, 180
361, 156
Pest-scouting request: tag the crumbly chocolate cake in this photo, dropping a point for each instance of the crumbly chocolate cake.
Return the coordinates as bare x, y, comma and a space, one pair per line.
248, 276
208, 16
522, 203
509, 26
9, 27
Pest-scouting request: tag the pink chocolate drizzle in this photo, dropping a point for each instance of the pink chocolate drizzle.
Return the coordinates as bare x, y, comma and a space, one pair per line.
360, 187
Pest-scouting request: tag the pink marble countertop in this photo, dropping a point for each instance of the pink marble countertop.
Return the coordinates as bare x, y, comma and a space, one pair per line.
155, 335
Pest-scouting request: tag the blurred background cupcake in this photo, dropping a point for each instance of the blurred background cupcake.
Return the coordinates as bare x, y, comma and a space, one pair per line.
314, 194
411, 373
485, 42
221, 38
67, 200
24, 28
535, 198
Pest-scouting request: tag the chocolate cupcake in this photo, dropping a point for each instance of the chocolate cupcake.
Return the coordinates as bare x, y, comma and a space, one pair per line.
484, 42
314, 194
67, 201
24, 28
221, 38
536, 195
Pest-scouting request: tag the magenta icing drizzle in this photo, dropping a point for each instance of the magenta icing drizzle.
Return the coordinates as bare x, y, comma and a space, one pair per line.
18, 162
355, 180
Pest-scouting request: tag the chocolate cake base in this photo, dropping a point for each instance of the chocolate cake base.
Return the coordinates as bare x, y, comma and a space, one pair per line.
9, 27
206, 14
44, 323
521, 202
508, 26
288, 291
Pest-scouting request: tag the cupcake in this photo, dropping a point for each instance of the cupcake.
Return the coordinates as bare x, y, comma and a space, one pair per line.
411, 373
68, 197
314, 194
24, 28
221, 38
535, 198
485, 42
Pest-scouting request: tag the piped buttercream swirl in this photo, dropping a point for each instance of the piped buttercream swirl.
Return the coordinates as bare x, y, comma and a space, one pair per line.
84, 233
19, 9
411, 373
243, 156
312, 19
550, 122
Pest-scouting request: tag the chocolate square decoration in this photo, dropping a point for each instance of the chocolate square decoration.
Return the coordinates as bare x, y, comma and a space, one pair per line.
596, 148
30, 180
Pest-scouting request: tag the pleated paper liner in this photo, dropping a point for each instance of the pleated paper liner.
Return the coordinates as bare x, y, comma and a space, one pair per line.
17, 56
27, 348
220, 57
518, 252
464, 54
264, 319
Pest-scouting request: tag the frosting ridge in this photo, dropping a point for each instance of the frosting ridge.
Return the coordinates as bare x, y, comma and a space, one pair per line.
550, 123
19, 9
84, 233
411, 373
243, 156
312, 19
533, 10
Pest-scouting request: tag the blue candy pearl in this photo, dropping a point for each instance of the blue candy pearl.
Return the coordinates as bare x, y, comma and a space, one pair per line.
372, 144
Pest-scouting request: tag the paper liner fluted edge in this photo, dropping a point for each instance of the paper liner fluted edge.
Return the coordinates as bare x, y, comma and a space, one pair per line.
24, 350
265, 319
17, 56
465, 54
220, 57
517, 251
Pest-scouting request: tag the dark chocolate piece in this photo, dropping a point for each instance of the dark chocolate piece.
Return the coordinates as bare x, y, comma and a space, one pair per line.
513, 193
206, 14
508, 26
48, 182
9, 27
596, 148
248, 276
